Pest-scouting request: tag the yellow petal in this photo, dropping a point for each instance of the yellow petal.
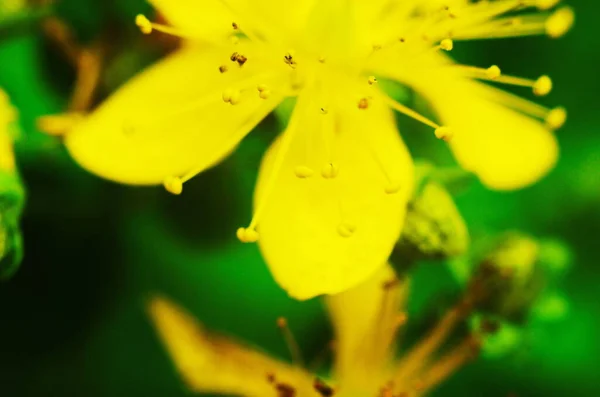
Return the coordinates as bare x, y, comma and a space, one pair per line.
213, 364
209, 19
170, 120
505, 148
365, 319
322, 235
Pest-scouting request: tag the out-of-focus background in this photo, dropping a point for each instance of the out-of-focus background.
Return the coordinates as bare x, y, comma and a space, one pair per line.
72, 318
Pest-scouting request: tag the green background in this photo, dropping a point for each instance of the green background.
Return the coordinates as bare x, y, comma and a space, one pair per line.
72, 320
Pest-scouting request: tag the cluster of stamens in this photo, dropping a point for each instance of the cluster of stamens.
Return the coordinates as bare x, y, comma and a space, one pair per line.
492, 25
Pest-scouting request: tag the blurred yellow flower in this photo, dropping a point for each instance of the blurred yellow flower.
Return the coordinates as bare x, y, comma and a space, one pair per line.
366, 320
332, 189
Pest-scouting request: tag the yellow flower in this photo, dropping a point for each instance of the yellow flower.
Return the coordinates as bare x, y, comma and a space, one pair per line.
366, 320
332, 189
7, 116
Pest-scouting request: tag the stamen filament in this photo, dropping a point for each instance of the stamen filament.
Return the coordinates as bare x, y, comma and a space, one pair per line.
290, 342
147, 27
448, 365
282, 150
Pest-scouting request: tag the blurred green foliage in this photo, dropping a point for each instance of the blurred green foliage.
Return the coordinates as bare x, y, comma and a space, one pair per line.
72, 319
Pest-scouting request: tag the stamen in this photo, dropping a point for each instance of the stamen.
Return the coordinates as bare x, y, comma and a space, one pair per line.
173, 185
491, 73
554, 25
372, 80
446, 45
418, 356
284, 144
346, 229
289, 59
560, 22
239, 58
330, 171
247, 235
541, 87
322, 388
303, 172
556, 118
441, 132
147, 27
363, 104
223, 68
290, 341
58, 124
232, 96
444, 133
449, 364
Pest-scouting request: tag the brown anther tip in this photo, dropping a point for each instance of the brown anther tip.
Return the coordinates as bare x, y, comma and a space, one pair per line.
363, 104
282, 322
223, 68
271, 377
234, 26
322, 388
285, 390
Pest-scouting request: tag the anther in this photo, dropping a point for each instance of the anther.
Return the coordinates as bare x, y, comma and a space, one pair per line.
324, 110
330, 171
493, 72
173, 185
447, 44
289, 59
223, 68
542, 86
290, 341
234, 26
264, 94
232, 96
239, 58
556, 118
393, 187
346, 229
560, 22
247, 235
143, 23
303, 172
372, 80
363, 103
444, 133
322, 388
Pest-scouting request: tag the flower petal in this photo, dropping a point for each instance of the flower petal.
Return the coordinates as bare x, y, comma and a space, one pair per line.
213, 364
365, 319
506, 149
170, 120
324, 235
209, 19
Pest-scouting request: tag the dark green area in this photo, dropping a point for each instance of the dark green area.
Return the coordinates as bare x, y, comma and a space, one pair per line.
72, 321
